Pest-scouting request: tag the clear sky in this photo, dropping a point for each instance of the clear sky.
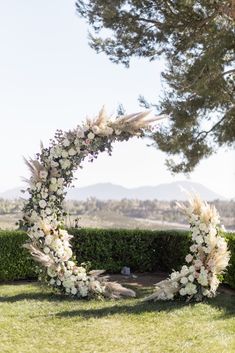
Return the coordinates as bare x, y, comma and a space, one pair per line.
50, 79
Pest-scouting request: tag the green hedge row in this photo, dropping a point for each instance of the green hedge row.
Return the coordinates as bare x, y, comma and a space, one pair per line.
110, 249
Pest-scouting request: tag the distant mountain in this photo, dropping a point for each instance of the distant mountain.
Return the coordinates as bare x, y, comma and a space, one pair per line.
105, 191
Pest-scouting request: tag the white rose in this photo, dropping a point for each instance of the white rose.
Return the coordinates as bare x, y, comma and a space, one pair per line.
72, 152
183, 291
48, 211
64, 154
191, 278
198, 263
189, 258
53, 187
65, 163
80, 133
53, 180
193, 248
60, 181
42, 203
184, 280
191, 288
83, 291
91, 136
184, 270
108, 130
51, 272
58, 282
66, 142
96, 129
118, 132
74, 290
203, 227
38, 186
46, 250
43, 174
199, 239
52, 281
48, 239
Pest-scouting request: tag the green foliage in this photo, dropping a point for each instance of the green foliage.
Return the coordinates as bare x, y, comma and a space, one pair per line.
15, 262
196, 38
142, 250
230, 275
110, 249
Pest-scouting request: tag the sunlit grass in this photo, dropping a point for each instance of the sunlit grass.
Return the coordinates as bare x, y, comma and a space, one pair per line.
32, 319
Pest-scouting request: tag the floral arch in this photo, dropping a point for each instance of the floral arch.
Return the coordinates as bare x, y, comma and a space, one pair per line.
52, 172
49, 243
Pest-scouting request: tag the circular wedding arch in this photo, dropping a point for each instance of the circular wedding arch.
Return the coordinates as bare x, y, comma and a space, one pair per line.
51, 173
49, 242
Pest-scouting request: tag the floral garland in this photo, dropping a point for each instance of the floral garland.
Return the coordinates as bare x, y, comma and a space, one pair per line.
52, 172
208, 257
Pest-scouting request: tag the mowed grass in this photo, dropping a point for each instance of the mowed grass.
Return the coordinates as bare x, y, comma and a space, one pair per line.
33, 320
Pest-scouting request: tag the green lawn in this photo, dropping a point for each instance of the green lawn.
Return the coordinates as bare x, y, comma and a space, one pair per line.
32, 319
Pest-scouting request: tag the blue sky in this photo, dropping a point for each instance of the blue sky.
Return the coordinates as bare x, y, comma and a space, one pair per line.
50, 78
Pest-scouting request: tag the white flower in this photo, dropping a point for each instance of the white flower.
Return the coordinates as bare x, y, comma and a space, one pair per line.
38, 186
53, 180
191, 278
80, 133
42, 203
58, 282
184, 270
43, 174
184, 280
197, 263
66, 142
193, 248
91, 136
74, 290
52, 281
60, 181
118, 132
174, 275
183, 291
199, 239
48, 211
48, 239
53, 187
51, 272
83, 291
64, 154
78, 149
46, 250
72, 152
68, 283
189, 258
70, 264
203, 227
44, 194
96, 129
108, 131
191, 289
65, 163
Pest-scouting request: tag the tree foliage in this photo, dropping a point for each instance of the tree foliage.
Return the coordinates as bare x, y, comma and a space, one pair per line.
196, 38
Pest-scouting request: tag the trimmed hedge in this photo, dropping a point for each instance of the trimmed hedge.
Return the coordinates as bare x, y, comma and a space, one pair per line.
110, 249
15, 261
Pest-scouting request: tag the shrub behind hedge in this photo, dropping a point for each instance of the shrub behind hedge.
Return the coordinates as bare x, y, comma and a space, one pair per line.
110, 249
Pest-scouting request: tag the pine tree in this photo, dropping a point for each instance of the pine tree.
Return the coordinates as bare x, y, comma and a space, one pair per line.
196, 38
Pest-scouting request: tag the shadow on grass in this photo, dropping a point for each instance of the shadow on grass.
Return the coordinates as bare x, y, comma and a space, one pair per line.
138, 308
224, 302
